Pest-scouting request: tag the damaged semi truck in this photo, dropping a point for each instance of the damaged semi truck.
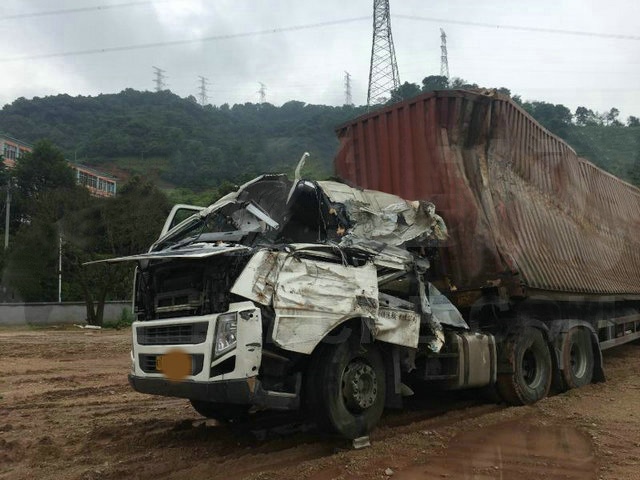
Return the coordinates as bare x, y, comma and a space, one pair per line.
337, 297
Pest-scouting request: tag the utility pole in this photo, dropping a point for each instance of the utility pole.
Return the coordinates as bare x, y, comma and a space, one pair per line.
60, 269
202, 92
159, 79
348, 100
444, 62
7, 216
383, 70
262, 92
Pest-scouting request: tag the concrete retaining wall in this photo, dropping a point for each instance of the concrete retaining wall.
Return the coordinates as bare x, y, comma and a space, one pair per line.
55, 313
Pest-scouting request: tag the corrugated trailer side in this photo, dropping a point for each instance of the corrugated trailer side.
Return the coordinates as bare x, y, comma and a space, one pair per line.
524, 211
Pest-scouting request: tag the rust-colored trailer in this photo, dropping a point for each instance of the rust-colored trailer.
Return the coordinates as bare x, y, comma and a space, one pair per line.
525, 213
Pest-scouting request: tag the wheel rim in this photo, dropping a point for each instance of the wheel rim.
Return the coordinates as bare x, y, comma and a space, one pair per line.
359, 385
531, 371
578, 360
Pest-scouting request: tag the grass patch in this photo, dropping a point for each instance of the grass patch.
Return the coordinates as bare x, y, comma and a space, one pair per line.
124, 321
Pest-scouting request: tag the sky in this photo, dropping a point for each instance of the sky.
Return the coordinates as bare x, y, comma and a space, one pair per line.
300, 50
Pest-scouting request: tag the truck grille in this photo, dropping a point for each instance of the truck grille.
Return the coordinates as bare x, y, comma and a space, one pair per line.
184, 334
148, 363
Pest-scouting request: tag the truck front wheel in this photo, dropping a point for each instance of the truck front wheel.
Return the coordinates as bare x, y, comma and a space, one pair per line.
346, 386
227, 412
526, 365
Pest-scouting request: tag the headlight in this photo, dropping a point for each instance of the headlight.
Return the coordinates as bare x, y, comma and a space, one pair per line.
226, 328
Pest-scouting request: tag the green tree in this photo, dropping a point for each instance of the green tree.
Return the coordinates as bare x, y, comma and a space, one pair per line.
125, 225
461, 83
405, 91
435, 82
4, 173
32, 261
633, 171
46, 192
611, 117
633, 121
89, 241
41, 170
557, 118
585, 117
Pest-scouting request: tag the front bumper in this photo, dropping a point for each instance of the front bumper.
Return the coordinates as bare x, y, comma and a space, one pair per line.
229, 391
245, 392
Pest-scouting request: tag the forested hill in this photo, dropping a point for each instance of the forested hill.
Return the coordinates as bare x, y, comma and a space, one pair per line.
197, 147
179, 143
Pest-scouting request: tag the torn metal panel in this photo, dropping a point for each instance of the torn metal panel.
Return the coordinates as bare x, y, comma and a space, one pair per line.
384, 217
194, 251
255, 189
445, 311
383, 255
257, 280
297, 175
257, 206
401, 327
261, 215
435, 344
311, 298
325, 286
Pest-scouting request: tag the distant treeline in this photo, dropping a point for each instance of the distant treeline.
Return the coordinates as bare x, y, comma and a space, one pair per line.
205, 145
208, 147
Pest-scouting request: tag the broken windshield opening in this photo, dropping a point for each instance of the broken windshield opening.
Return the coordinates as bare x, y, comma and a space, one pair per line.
304, 222
233, 222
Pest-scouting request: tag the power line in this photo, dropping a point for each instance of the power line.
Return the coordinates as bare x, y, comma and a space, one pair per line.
305, 27
521, 28
47, 13
185, 42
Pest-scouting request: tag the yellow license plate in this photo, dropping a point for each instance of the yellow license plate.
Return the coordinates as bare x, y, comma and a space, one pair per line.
175, 364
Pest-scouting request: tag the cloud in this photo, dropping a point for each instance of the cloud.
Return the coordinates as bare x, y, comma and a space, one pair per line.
309, 64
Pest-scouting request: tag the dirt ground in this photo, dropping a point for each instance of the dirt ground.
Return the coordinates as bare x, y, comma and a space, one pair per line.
67, 412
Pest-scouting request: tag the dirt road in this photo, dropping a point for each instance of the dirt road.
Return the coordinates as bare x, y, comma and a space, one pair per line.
67, 412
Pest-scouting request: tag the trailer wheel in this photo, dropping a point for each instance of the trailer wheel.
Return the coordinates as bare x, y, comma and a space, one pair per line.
577, 358
227, 412
345, 388
526, 357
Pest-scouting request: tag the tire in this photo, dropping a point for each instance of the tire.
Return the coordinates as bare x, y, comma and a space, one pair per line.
526, 357
577, 358
227, 412
345, 387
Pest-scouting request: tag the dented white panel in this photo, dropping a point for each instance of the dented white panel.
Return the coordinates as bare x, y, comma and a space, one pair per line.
300, 330
249, 347
401, 327
257, 280
313, 297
